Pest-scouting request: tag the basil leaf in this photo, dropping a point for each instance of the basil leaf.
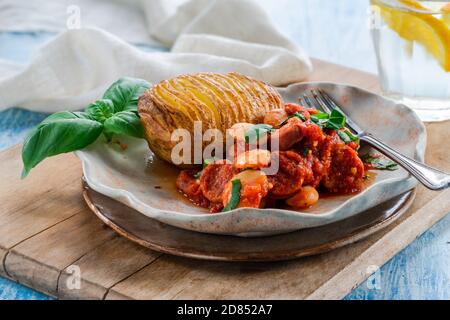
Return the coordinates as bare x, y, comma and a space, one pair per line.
344, 136
379, 162
351, 135
235, 195
256, 132
284, 122
347, 136
69, 131
81, 115
320, 118
101, 110
297, 115
61, 132
126, 122
125, 92
320, 115
300, 116
62, 115
336, 121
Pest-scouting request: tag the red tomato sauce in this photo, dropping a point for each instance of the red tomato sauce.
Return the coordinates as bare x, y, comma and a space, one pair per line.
307, 156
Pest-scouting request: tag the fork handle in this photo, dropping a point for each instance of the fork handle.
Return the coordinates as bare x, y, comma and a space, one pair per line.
432, 178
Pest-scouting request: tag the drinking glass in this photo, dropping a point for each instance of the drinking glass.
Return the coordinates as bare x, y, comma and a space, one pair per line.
412, 45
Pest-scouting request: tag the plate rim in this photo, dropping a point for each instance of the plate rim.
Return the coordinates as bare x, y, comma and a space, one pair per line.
355, 236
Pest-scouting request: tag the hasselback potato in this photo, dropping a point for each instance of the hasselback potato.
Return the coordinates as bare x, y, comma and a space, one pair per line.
217, 100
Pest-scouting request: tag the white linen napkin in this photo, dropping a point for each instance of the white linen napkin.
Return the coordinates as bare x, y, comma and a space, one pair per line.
77, 66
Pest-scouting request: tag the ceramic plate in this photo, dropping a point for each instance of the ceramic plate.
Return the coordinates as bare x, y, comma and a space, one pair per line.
161, 237
135, 177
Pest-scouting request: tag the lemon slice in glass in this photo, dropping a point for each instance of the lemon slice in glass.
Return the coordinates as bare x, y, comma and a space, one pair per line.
421, 27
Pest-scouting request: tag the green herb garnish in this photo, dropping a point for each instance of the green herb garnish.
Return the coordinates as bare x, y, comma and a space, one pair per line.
235, 195
319, 115
320, 118
344, 137
125, 93
297, 115
347, 136
379, 163
257, 132
61, 132
336, 120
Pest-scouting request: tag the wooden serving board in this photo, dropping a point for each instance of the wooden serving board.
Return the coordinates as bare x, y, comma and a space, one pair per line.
48, 237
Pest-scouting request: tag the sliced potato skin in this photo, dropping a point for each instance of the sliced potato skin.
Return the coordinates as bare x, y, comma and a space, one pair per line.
217, 100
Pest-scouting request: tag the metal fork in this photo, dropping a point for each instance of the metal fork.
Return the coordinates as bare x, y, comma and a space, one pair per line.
431, 178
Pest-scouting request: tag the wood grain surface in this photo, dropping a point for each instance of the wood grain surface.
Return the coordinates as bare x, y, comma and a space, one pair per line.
46, 229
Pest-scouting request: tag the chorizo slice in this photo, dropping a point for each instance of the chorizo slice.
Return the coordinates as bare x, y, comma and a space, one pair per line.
346, 172
319, 160
289, 134
290, 176
214, 178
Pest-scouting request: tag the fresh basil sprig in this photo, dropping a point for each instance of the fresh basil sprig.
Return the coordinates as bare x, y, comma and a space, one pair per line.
118, 108
257, 132
335, 120
378, 162
235, 195
125, 93
100, 110
125, 123
61, 132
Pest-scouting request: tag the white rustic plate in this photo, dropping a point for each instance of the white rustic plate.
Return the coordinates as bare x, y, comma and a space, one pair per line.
138, 179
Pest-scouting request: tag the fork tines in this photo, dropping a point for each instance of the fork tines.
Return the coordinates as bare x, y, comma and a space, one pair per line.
327, 104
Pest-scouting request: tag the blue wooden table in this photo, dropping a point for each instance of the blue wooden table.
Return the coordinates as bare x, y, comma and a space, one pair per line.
331, 30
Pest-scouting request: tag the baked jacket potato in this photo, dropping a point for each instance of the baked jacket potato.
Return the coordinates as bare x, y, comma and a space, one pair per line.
217, 100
